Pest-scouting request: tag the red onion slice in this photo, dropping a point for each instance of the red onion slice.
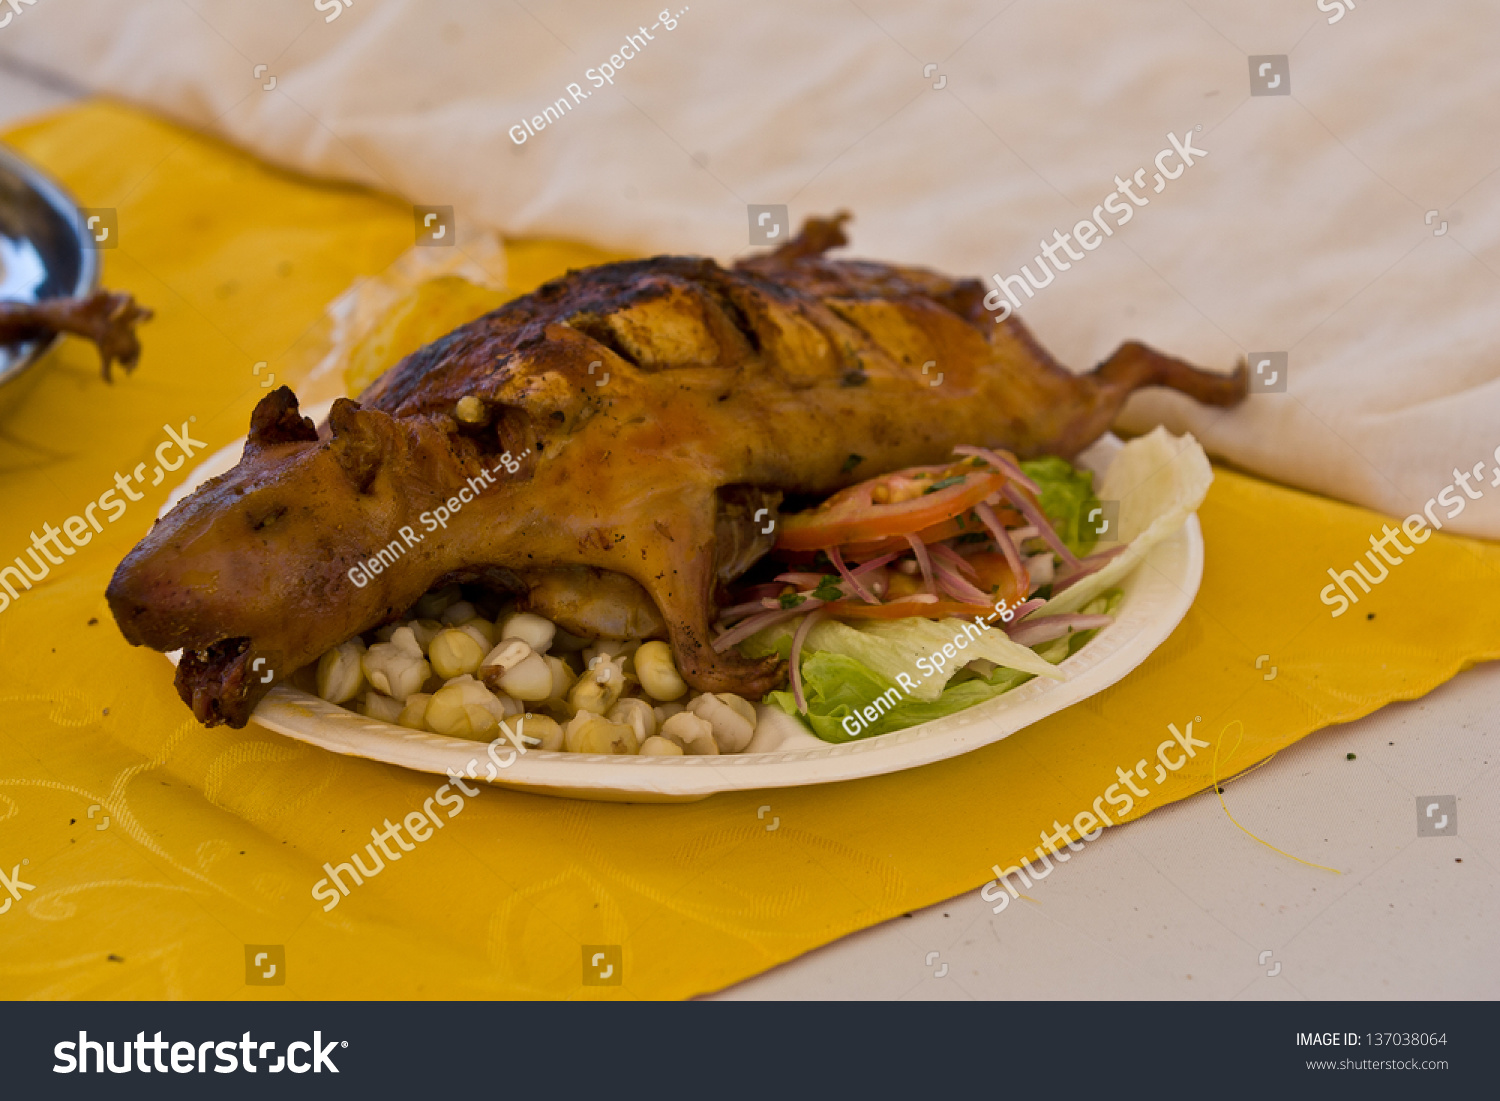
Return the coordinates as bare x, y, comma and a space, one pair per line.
956, 587
850, 579
1043, 526
919, 552
953, 558
1000, 463
1002, 540
765, 619
1092, 564
796, 659
1051, 627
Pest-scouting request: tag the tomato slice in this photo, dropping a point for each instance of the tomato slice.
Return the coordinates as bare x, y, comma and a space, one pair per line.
995, 576
946, 529
911, 500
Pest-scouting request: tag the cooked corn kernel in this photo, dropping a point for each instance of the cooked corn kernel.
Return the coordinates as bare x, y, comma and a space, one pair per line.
484, 632
637, 715
590, 733
658, 672
694, 735
341, 672
424, 630
396, 668
505, 656
562, 677
657, 746
460, 611
380, 707
732, 731
414, 713
599, 687
665, 711
530, 680
465, 709
535, 631
454, 652
532, 729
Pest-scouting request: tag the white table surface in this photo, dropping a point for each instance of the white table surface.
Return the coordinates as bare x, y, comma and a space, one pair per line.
1181, 904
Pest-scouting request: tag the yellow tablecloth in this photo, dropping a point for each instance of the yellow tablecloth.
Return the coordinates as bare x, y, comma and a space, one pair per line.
151, 851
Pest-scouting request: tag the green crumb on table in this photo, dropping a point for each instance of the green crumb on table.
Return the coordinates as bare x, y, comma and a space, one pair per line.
1348, 756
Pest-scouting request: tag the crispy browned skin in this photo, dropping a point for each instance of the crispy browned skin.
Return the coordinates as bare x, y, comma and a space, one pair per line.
652, 404
109, 320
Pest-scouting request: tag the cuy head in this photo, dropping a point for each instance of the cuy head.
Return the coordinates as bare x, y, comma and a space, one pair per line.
255, 563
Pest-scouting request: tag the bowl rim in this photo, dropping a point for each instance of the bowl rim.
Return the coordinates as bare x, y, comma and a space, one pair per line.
62, 202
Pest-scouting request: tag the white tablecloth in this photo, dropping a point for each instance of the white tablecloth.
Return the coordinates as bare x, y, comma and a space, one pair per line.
1353, 224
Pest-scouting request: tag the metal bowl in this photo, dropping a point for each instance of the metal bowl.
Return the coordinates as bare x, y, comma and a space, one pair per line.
43, 254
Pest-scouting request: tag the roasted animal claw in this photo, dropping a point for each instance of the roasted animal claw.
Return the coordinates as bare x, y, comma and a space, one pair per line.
109, 320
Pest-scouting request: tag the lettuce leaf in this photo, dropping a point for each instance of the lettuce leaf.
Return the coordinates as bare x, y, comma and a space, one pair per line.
1160, 480
1067, 496
837, 686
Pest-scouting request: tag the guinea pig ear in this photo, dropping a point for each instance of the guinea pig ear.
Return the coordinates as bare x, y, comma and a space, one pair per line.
277, 420
358, 442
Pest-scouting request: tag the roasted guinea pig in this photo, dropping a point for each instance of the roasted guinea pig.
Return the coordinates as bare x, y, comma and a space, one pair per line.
649, 410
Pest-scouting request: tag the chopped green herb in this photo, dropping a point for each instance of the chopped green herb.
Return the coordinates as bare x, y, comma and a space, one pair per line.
851, 462
791, 600
828, 588
956, 479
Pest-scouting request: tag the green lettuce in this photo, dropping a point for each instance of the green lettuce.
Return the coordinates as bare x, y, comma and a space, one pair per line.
1067, 496
836, 685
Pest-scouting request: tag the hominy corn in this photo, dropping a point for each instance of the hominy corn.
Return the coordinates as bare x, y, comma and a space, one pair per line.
540, 727
376, 706
396, 668
637, 715
694, 735
535, 631
414, 713
455, 652
530, 681
590, 733
658, 672
465, 709
732, 732
341, 671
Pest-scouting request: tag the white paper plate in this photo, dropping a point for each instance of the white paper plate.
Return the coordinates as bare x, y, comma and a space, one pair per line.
783, 753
